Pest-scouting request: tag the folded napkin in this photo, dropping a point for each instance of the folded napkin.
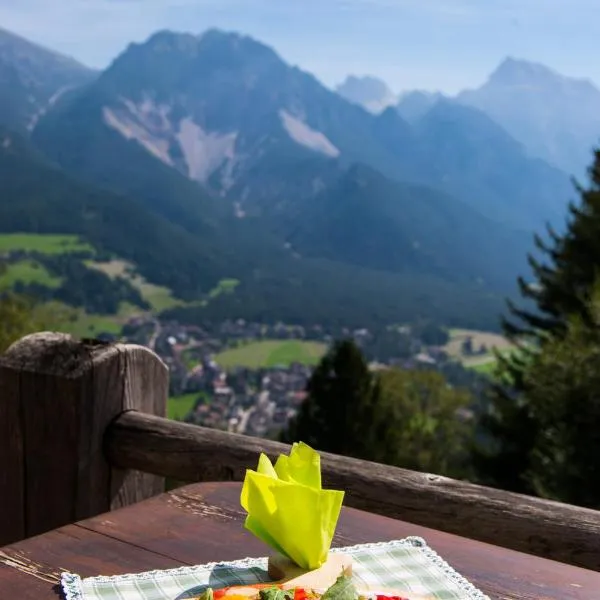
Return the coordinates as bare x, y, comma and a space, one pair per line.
287, 508
409, 564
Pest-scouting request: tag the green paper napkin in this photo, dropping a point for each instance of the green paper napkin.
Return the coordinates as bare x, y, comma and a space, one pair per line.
287, 508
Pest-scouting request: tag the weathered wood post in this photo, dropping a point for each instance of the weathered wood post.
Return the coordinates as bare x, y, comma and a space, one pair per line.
57, 397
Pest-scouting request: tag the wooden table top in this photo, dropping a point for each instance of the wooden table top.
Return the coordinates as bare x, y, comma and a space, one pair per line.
203, 523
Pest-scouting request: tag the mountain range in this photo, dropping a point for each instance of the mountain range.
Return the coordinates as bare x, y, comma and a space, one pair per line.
555, 117
206, 157
32, 78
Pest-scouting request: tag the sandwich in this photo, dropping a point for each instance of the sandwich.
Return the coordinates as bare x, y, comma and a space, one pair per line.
342, 589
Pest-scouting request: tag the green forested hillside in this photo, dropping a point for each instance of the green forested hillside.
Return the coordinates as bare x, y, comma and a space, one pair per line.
73, 288
316, 291
274, 284
39, 198
376, 223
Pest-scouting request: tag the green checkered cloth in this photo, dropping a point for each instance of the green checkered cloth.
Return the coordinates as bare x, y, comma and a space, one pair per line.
408, 564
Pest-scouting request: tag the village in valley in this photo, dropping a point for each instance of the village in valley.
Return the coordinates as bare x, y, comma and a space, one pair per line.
251, 378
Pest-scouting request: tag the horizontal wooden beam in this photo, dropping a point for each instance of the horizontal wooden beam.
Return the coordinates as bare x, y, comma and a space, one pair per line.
190, 453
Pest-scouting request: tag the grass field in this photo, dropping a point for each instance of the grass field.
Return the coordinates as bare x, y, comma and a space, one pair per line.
45, 243
179, 406
480, 338
78, 323
484, 363
485, 368
225, 286
28, 271
90, 325
160, 298
188, 358
270, 353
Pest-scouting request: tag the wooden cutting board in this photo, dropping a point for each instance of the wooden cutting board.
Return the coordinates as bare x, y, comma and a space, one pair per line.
289, 575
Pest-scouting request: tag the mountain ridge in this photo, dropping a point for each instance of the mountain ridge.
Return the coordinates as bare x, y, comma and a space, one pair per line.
10, 38
218, 137
32, 78
213, 106
556, 117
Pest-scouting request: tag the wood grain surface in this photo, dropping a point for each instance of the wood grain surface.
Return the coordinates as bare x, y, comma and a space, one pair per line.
57, 398
553, 530
204, 522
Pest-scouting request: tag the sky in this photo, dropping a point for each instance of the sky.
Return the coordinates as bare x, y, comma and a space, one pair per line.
445, 45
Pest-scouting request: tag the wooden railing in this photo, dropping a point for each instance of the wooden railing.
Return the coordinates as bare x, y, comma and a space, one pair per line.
82, 431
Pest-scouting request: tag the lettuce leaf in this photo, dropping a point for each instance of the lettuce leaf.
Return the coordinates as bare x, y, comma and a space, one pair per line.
342, 589
207, 594
275, 593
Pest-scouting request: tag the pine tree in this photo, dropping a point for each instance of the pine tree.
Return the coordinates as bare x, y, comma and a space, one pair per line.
564, 399
404, 418
343, 412
564, 284
562, 290
431, 422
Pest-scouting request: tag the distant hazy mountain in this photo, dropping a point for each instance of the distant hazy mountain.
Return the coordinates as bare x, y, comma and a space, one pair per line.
557, 118
31, 79
371, 93
479, 162
413, 105
221, 107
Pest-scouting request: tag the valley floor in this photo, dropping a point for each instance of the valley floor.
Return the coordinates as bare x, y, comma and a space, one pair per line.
241, 376
251, 378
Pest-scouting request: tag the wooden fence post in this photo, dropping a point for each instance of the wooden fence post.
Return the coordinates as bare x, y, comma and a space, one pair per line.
57, 397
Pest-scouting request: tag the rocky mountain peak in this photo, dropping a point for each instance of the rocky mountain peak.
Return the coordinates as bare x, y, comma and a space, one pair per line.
367, 91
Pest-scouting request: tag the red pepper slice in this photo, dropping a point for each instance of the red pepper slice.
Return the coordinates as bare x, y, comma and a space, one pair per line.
300, 594
222, 592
